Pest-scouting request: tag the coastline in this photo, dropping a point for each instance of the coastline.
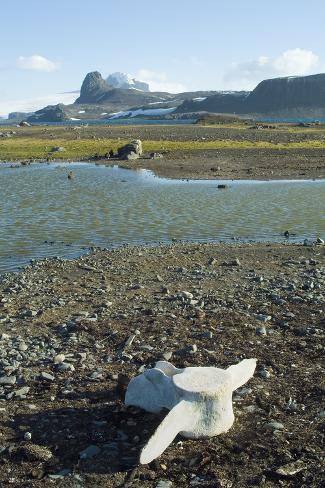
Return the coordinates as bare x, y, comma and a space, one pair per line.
115, 311
224, 165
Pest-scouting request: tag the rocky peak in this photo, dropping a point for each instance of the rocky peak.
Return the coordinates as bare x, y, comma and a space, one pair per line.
92, 88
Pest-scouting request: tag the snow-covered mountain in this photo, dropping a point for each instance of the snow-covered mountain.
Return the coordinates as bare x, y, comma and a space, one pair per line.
124, 80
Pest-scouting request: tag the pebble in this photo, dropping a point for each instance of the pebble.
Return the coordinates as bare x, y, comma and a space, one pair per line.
59, 358
90, 452
274, 426
261, 331
66, 367
264, 373
186, 294
8, 380
291, 469
263, 318
33, 452
47, 376
164, 484
22, 392
27, 436
167, 355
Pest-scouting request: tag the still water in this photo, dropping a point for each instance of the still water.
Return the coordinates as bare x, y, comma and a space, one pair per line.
104, 206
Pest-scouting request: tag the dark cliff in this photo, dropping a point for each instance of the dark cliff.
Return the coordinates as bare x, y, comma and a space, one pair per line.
295, 96
287, 94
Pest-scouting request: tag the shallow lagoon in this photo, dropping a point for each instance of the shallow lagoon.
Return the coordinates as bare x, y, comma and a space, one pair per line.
109, 206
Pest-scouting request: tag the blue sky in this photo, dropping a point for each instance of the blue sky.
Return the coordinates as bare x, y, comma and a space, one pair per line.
47, 47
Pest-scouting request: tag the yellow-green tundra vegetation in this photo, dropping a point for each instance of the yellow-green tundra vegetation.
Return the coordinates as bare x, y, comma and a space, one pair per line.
85, 142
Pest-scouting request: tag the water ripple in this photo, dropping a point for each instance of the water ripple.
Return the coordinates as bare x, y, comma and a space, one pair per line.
106, 206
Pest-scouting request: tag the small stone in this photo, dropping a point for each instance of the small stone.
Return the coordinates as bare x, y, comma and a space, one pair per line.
261, 331
30, 313
59, 358
320, 241
274, 426
291, 469
129, 341
263, 318
167, 355
90, 452
47, 376
23, 347
66, 367
22, 392
33, 452
264, 373
8, 380
186, 294
27, 436
164, 484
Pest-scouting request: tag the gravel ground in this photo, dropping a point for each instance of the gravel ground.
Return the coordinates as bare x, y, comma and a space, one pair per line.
237, 164
73, 332
229, 163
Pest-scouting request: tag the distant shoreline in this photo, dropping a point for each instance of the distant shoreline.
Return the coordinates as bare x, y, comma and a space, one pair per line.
219, 152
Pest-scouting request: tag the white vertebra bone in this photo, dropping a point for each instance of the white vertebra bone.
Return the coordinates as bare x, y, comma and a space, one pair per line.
199, 400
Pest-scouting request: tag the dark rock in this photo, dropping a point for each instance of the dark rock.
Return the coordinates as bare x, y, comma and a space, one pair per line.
51, 113
295, 96
33, 452
132, 150
57, 149
93, 88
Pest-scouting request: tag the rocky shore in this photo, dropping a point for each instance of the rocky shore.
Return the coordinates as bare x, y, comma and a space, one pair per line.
235, 164
73, 332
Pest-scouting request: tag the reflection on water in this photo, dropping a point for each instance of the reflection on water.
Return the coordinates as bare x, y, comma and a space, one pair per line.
103, 206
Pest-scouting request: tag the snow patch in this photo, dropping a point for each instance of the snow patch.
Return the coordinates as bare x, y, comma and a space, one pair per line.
140, 111
126, 81
81, 111
199, 99
73, 118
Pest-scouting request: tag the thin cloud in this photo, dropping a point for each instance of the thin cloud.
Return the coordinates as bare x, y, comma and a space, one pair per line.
37, 63
33, 104
293, 62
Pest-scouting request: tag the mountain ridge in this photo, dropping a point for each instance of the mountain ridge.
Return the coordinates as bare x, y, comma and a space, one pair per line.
300, 96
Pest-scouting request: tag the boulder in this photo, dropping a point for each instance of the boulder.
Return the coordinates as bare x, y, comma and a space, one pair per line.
57, 149
132, 150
